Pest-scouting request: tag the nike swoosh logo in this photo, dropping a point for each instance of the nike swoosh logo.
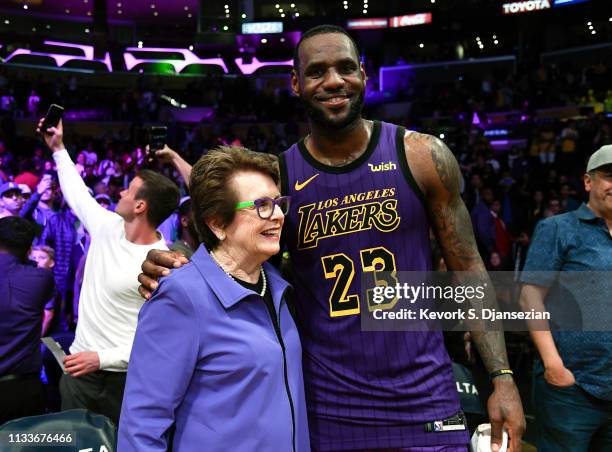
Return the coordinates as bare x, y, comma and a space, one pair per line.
299, 186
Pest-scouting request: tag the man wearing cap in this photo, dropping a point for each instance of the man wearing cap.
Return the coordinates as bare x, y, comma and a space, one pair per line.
573, 374
11, 199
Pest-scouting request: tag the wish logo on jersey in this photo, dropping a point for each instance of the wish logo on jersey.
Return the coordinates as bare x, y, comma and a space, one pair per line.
389, 166
337, 216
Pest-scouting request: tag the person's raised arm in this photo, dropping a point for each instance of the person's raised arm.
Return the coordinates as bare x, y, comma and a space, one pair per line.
73, 188
28, 209
437, 173
167, 155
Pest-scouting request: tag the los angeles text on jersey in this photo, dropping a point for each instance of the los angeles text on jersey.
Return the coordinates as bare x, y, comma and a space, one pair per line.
337, 216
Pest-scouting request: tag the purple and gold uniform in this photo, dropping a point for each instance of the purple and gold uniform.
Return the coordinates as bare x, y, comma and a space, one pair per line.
364, 389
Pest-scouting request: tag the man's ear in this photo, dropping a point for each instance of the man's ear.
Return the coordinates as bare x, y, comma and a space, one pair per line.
295, 83
141, 206
52, 264
588, 180
184, 221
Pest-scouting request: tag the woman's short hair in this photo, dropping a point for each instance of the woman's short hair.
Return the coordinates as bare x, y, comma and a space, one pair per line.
211, 192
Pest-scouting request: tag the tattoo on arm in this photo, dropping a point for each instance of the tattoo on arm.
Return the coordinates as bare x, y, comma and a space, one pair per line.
455, 235
450, 216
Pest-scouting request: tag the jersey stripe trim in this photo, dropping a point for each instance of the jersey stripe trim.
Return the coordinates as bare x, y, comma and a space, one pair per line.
403, 161
376, 126
284, 176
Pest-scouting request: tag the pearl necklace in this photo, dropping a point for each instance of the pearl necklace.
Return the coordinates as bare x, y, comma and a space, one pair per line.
261, 272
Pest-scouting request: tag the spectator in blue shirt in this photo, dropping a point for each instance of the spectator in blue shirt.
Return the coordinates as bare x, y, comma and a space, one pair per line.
573, 375
24, 291
217, 358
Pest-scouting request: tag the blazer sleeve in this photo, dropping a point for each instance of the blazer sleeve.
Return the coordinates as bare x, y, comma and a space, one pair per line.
162, 362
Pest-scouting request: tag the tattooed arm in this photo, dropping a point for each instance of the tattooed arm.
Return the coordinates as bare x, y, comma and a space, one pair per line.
437, 173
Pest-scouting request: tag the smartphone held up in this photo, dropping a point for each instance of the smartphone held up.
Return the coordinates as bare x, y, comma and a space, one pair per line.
53, 117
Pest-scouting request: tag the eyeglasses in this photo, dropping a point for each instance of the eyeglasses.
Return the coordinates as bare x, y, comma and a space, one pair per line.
12, 194
265, 206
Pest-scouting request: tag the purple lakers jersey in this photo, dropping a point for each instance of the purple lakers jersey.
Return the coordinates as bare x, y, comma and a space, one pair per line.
364, 389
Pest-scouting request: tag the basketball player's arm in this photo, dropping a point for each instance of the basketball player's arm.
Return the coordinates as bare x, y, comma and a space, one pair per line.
437, 173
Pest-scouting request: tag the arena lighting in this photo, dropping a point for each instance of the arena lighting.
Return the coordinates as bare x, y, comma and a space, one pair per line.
249, 68
179, 65
60, 59
496, 132
567, 2
249, 28
367, 24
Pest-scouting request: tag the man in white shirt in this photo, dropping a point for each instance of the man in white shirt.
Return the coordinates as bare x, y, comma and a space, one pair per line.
109, 300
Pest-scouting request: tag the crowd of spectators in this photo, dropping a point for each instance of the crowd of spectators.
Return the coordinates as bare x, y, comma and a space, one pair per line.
506, 193
231, 98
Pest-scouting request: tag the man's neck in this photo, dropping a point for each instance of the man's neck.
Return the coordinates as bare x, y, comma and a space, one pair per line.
140, 232
5, 213
339, 147
607, 217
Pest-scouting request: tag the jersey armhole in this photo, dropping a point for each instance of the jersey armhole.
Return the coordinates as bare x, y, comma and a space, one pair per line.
403, 161
284, 177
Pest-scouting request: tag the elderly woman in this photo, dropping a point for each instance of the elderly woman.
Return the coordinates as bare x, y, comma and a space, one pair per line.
216, 361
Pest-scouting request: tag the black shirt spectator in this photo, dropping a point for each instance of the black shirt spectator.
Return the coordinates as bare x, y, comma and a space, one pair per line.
25, 290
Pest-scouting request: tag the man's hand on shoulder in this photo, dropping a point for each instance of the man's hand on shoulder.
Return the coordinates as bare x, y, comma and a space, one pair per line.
53, 136
506, 411
157, 264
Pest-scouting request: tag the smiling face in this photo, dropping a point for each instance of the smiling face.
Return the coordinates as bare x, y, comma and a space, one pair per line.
330, 80
248, 237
